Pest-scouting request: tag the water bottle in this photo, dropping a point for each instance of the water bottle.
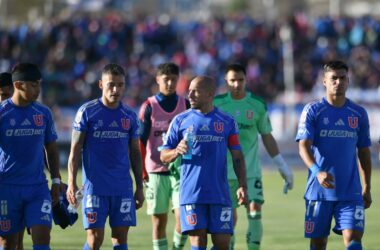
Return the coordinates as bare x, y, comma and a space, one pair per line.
163, 142
78, 196
189, 138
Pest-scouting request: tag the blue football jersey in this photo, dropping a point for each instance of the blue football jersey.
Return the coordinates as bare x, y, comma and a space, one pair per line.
24, 133
336, 134
105, 154
204, 176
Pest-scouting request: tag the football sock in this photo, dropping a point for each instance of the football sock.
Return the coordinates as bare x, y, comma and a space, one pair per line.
255, 230
87, 247
355, 245
179, 240
232, 242
120, 247
161, 244
198, 248
41, 247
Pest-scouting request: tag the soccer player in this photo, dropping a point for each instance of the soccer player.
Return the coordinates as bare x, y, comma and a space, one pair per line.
332, 133
155, 115
105, 136
205, 204
251, 115
6, 91
6, 86
27, 130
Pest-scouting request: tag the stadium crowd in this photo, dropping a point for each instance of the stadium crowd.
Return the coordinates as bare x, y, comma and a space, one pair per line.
71, 51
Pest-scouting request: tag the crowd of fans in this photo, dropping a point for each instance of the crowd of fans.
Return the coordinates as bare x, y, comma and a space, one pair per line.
72, 51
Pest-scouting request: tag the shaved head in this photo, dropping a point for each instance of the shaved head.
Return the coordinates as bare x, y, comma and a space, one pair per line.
206, 83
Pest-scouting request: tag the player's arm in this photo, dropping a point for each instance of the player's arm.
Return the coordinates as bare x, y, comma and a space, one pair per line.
169, 155
240, 171
77, 141
52, 157
365, 167
146, 125
271, 147
325, 179
135, 159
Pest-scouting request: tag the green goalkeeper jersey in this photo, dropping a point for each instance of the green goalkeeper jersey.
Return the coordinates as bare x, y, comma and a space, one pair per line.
251, 115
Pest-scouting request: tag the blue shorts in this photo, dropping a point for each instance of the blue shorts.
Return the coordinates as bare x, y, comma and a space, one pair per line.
347, 215
120, 209
217, 219
22, 206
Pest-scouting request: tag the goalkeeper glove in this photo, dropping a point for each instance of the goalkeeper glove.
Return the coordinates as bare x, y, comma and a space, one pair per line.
285, 172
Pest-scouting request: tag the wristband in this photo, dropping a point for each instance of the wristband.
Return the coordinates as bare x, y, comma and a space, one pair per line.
55, 181
315, 169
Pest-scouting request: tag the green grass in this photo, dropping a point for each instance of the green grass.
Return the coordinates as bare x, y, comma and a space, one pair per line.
282, 217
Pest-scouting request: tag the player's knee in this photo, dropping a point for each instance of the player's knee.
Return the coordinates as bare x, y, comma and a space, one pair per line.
318, 244
41, 239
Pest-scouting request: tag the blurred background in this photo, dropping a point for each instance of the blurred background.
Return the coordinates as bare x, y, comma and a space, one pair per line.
283, 45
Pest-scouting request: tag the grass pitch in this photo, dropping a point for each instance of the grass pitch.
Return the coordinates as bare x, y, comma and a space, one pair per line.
282, 218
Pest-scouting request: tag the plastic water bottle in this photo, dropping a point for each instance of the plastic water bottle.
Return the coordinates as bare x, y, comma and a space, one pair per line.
78, 196
163, 142
189, 137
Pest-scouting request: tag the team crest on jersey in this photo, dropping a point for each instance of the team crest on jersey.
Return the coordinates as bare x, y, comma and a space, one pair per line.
353, 122
125, 123
12, 122
309, 227
91, 217
38, 120
219, 127
249, 114
191, 219
5, 225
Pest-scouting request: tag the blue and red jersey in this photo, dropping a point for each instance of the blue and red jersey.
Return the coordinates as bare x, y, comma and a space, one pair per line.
204, 177
24, 131
336, 133
105, 151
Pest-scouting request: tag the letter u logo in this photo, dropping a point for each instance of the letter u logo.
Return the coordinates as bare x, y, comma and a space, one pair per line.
219, 127
5, 225
309, 226
38, 120
91, 217
125, 123
353, 122
192, 219
249, 114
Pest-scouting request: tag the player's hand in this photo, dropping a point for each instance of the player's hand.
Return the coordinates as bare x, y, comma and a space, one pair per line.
242, 196
55, 190
367, 198
325, 179
70, 193
182, 147
139, 198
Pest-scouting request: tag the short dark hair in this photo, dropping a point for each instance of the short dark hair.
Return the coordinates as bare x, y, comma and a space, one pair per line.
26, 72
334, 65
113, 69
168, 69
5, 79
237, 67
